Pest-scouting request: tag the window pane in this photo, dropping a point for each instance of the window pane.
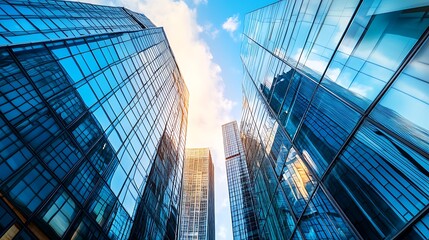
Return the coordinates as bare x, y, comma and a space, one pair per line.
365, 60
379, 183
404, 109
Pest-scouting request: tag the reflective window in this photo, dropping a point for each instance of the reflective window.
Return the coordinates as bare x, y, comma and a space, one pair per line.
86, 132
404, 109
60, 212
85, 229
296, 102
379, 183
279, 88
283, 212
84, 181
297, 182
120, 223
325, 128
365, 61
30, 186
60, 155
102, 204
101, 155
328, 27
322, 221
13, 153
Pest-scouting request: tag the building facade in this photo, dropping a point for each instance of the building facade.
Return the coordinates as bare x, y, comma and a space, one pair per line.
197, 217
335, 118
244, 223
92, 125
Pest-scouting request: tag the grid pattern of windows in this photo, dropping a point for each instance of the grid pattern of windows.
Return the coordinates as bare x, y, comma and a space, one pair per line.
334, 123
244, 224
197, 220
92, 126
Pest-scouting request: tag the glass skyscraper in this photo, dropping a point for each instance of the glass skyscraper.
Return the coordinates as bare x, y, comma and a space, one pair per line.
197, 217
92, 125
335, 120
244, 224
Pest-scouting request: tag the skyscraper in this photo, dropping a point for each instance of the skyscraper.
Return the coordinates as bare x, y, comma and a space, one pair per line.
92, 125
335, 118
244, 223
197, 217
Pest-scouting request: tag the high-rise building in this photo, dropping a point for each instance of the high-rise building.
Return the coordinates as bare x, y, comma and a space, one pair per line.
92, 125
244, 224
197, 217
335, 122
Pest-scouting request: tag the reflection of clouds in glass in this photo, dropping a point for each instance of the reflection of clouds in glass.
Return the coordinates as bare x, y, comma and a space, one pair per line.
332, 74
363, 90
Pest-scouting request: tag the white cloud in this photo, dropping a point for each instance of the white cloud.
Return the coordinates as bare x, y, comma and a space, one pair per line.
208, 107
231, 24
197, 2
210, 30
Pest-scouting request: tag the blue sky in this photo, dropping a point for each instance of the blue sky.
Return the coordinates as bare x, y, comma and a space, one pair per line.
205, 38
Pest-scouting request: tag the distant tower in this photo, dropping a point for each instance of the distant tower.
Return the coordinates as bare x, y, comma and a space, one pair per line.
244, 224
197, 219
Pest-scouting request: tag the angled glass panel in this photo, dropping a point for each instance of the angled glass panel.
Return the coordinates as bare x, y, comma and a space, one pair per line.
325, 128
322, 220
296, 102
29, 187
365, 62
379, 183
404, 109
59, 213
419, 231
328, 27
297, 182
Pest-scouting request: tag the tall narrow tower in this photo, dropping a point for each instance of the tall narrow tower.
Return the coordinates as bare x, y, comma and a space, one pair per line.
244, 225
197, 207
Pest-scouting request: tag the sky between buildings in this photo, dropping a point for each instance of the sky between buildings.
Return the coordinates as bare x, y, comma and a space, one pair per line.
205, 38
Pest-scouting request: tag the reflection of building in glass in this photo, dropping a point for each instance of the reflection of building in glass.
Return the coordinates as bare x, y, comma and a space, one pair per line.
93, 122
244, 224
335, 118
197, 217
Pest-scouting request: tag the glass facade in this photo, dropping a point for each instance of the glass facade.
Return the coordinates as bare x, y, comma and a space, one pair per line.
244, 223
335, 118
92, 125
197, 216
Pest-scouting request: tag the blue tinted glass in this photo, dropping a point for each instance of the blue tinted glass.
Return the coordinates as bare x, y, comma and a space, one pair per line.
404, 109
30, 186
329, 25
297, 182
365, 60
279, 88
69, 65
60, 212
102, 204
321, 220
296, 102
379, 183
325, 128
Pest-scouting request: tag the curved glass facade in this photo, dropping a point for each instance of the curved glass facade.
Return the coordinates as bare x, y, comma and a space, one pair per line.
335, 118
93, 124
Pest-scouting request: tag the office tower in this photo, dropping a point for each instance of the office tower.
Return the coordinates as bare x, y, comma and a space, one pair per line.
244, 224
335, 118
197, 216
93, 124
